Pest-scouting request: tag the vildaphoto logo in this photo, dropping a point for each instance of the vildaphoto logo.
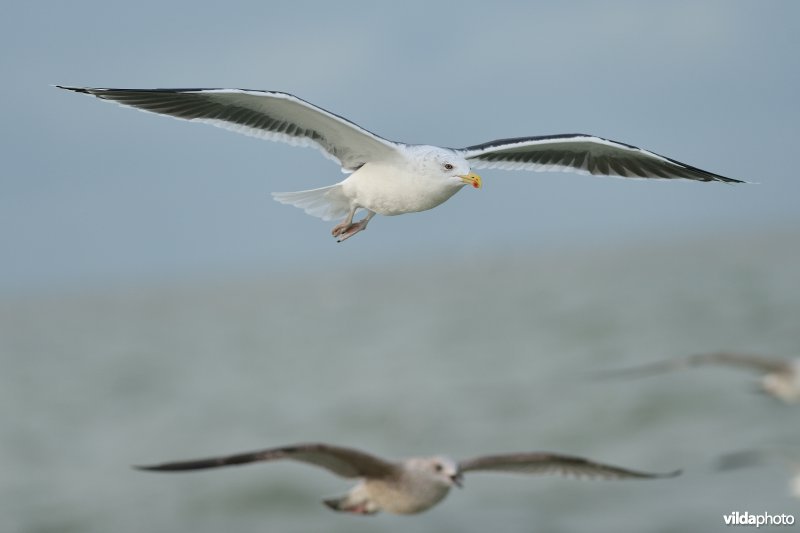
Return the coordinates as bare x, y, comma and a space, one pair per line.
764, 519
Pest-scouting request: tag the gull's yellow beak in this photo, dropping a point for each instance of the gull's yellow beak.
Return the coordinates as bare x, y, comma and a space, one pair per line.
472, 179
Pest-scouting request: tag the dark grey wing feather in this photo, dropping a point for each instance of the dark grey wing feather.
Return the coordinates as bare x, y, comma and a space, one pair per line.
269, 115
551, 463
345, 462
584, 154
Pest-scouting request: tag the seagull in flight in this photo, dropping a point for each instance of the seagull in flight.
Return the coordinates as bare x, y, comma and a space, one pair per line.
780, 378
387, 177
413, 485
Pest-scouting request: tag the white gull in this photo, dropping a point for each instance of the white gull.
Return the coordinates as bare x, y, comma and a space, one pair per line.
387, 177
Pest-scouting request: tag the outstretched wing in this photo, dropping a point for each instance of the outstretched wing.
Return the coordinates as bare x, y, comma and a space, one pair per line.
345, 462
551, 463
584, 154
753, 362
270, 115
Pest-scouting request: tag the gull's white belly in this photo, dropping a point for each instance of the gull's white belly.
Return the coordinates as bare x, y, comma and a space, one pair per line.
389, 190
414, 497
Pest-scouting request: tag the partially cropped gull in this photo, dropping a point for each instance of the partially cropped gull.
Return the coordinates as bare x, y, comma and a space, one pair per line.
780, 377
412, 485
788, 457
388, 177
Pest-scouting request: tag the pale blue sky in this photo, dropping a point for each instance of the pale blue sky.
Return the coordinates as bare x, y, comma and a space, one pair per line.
94, 192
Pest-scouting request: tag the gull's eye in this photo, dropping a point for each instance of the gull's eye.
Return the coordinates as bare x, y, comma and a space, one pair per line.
437, 466
448, 166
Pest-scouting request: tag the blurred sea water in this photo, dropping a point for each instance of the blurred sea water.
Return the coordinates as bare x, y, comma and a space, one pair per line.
480, 354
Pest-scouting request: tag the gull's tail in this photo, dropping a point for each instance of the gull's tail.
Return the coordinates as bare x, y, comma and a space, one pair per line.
327, 203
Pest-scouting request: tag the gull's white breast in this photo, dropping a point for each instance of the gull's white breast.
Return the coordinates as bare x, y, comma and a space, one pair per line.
396, 188
412, 493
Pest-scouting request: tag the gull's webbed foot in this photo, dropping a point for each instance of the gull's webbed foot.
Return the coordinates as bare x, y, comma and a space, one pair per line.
344, 231
348, 228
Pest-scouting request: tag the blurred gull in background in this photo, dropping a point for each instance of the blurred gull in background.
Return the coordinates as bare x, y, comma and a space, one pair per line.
780, 377
759, 457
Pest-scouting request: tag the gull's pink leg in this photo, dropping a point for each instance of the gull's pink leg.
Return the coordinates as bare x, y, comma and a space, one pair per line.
340, 228
348, 228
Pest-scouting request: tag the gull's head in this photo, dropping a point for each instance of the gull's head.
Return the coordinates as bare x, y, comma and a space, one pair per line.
443, 470
449, 165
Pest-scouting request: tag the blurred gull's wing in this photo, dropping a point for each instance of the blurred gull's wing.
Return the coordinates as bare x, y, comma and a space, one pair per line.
584, 154
270, 115
551, 463
741, 459
345, 462
789, 455
754, 362
643, 370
